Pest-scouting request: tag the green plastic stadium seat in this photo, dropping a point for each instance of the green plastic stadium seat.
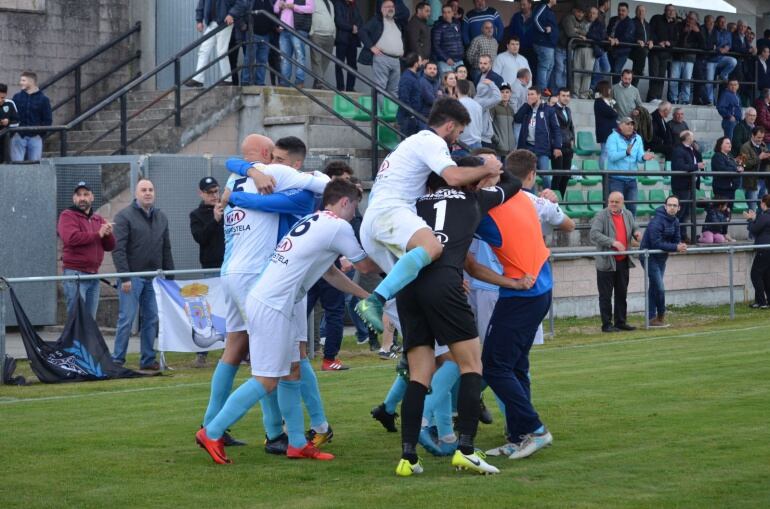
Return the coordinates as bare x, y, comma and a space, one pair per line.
701, 197
586, 144
388, 110
652, 165
597, 200
706, 181
649, 180
667, 181
590, 165
644, 209
577, 209
668, 165
571, 182
740, 206
365, 101
388, 137
590, 181
657, 197
708, 154
343, 107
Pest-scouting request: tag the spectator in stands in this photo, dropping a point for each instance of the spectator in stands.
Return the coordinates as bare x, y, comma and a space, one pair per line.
684, 158
691, 38
740, 44
348, 21
540, 132
85, 237
486, 72
716, 212
471, 135
605, 118
763, 68
708, 32
430, 87
742, 131
142, 243
614, 229
256, 50
625, 150
583, 58
754, 154
626, 95
410, 93
383, 47
623, 31
9, 117
677, 124
298, 15
519, 92
522, 26
662, 233
603, 9
643, 39
762, 105
458, 13
462, 74
723, 161
449, 85
664, 34
570, 27
34, 109
474, 20
323, 32
567, 126
729, 107
418, 32
447, 41
209, 15
720, 64
488, 96
208, 231
662, 139
759, 227
597, 32
482, 44
508, 63
545, 41
502, 122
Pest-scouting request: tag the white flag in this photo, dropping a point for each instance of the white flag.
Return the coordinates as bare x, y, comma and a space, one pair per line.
191, 314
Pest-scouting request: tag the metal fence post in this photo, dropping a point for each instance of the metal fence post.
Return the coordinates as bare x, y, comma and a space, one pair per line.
3, 288
732, 288
693, 207
646, 256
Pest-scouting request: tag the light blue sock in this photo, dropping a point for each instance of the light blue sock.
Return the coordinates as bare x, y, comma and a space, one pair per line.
442, 415
395, 394
221, 385
440, 386
236, 406
271, 415
290, 402
540, 429
311, 395
403, 272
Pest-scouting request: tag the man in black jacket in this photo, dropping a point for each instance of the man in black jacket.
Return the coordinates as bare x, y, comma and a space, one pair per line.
208, 231
564, 117
664, 35
643, 38
685, 158
9, 117
348, 21
661, 132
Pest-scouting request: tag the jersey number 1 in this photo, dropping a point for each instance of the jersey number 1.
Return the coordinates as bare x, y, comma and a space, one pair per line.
440, 207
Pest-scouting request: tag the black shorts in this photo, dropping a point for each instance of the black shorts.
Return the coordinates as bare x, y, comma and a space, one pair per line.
435, 307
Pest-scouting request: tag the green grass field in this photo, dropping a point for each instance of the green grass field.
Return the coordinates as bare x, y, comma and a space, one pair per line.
668, 418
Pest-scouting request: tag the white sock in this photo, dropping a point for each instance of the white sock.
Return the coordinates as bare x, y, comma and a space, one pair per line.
321, 428
449, 438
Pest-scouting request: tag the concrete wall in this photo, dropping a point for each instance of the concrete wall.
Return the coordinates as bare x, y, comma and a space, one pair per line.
50, 35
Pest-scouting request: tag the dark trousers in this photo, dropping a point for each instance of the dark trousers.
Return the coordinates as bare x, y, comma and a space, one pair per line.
346, 53
562, 163
699, 95
685, 206
658, 68
505, 358
274, 60
760, 277
613, 281
639, 57
656, 299
333, 303
233, 56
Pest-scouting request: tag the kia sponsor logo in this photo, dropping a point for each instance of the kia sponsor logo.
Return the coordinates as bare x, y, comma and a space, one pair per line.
283, 246
235, 217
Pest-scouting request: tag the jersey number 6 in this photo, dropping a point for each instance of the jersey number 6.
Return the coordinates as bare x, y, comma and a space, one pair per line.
303, 226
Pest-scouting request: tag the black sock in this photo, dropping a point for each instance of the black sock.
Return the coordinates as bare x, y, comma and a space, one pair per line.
411, 418
468, 410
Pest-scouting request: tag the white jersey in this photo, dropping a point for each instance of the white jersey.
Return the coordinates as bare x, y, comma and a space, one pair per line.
302, 257
549, 213
251, 235
404, 173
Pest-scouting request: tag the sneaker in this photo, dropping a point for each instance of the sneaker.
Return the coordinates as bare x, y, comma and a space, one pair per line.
278, 445
387, 420
531, 443
215, 448
610, 328
405, 469
150, 367
485, 416
387, 356
659, 323
230, 441
503, 450
370, 310
319, 439
333, 365
759, 306
360, 341
473, 462
429, 441
307, 452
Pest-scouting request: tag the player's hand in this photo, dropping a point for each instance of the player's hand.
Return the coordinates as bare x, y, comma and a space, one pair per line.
548, 194
345, 265
265, 183
525, 283
219, 211
125, 287
488, 182
466, 287
493, 166
618, 246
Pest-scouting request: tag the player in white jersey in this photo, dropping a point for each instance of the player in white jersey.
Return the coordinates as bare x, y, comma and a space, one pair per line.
304, 255
391, 232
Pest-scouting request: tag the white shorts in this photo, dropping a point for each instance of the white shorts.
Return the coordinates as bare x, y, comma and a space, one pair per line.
483, 304
300, 320
236, 289
385, 233
273, 345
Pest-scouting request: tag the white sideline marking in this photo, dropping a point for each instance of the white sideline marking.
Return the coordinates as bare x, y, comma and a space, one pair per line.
13, 401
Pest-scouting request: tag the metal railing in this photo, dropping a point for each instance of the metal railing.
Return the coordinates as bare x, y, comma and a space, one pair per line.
570, 70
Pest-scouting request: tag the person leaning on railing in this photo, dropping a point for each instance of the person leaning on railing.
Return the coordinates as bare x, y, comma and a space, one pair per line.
759, 227
722, 161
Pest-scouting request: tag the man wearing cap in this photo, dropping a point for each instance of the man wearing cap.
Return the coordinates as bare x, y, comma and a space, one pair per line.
208, 231
85, 237
625, 150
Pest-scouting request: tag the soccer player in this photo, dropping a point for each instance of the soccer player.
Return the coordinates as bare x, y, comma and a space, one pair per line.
434, 308
250, 237
273, 306
392, 233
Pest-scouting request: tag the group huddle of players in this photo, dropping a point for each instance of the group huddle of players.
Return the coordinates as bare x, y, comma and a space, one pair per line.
424, 210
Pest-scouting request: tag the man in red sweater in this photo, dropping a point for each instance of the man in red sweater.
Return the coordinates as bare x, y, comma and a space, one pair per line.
85, 237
